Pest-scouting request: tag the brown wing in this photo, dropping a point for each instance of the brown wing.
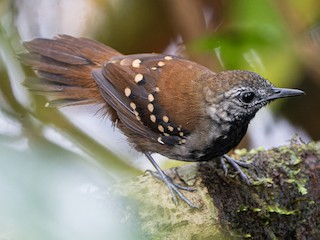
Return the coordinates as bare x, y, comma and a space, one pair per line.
129, 85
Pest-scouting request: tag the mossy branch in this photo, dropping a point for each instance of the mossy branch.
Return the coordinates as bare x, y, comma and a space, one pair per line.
283, 201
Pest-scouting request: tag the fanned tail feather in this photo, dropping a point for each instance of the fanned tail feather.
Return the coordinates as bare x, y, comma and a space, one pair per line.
64, 66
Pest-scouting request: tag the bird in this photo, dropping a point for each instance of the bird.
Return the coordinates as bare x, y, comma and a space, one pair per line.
162, 103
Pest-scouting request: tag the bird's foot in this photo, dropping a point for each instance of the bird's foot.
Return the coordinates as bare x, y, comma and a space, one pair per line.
236, 165
174, 188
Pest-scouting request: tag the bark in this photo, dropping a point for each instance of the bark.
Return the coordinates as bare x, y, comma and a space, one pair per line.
282, 202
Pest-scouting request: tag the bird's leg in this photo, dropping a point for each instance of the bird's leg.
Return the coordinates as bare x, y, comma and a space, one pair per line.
236, 166
173, 187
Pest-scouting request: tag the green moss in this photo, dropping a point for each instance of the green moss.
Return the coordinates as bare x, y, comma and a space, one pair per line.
256, 209
277, 209
281, 201
256, 150
243, 209
248, 235
262, 181
302, 189
241, 152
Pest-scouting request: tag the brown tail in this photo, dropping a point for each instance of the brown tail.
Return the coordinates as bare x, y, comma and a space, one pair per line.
64, 67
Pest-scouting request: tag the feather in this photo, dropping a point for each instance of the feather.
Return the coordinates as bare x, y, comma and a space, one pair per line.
64, 67
128, 84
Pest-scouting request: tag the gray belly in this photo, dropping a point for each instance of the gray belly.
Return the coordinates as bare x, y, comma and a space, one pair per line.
219, 146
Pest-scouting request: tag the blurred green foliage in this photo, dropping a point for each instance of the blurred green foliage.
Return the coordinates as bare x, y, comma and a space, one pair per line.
255, 38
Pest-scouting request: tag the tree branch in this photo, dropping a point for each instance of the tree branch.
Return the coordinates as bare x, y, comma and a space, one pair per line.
283, 201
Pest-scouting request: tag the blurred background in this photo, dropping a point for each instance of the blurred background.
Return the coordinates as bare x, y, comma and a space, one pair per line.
56, 166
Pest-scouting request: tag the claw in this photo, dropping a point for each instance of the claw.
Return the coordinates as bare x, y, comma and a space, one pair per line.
173, 187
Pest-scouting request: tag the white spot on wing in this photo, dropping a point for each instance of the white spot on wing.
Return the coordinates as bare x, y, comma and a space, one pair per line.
165, 119
127, 92
150, 107
153, 118
138, 78
136, 63
150, 97
160, 140
161, 64
160, 128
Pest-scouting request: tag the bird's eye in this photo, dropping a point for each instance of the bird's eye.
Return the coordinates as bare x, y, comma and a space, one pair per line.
247, 97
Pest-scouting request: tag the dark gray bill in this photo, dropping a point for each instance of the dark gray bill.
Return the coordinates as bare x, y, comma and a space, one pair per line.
283, 93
